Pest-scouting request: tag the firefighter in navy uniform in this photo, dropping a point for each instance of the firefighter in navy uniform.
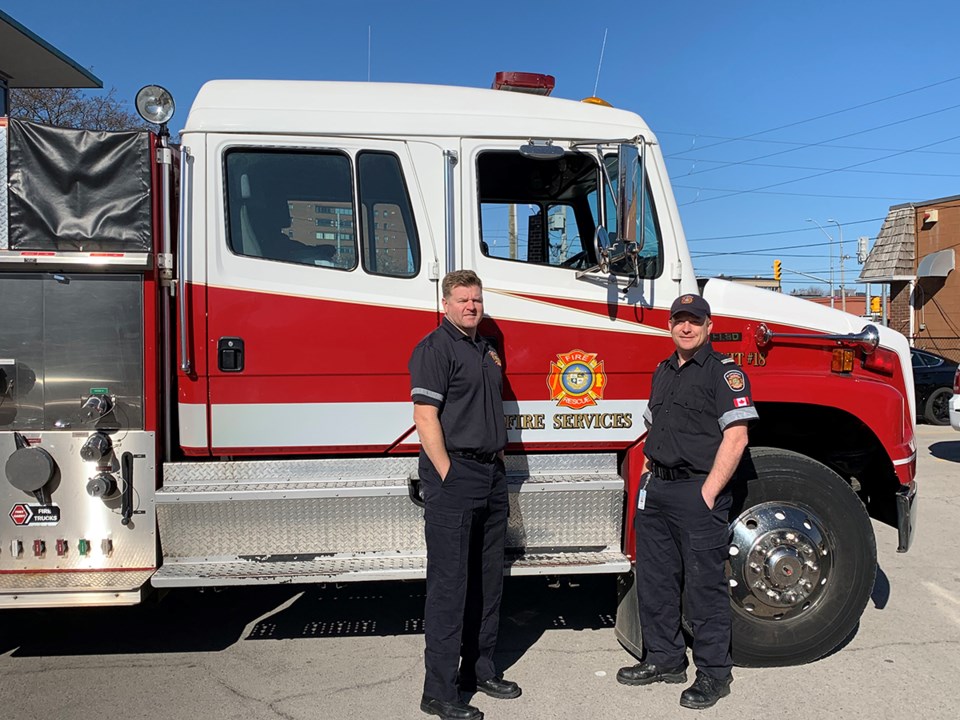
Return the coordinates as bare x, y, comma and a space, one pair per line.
697, 419
457, 386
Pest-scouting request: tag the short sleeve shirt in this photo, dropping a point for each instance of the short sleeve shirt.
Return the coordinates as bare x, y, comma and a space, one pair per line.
463, 379
691, 405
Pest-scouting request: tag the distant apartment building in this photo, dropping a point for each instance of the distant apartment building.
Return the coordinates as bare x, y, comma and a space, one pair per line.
333, 227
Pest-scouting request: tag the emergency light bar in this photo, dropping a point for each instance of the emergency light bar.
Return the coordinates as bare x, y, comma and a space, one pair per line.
533, 83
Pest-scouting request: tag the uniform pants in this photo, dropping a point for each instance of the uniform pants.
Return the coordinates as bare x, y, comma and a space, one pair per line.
465, 526
682, 546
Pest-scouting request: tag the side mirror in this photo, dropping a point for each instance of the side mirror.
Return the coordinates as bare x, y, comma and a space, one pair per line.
630, 195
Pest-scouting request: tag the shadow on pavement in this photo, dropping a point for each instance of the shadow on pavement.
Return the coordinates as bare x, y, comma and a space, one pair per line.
949, 450
193, 621
881, 590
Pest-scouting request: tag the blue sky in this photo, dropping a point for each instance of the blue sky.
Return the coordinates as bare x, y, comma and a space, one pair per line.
699, 72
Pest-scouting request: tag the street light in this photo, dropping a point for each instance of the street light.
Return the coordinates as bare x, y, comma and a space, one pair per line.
831, 255
843, 292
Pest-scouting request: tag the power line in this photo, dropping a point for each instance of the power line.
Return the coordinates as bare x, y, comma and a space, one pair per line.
816, 144
765, 253
836, 112
777, 232
804, 144
757, 250
898, 173
796, 194
815, 175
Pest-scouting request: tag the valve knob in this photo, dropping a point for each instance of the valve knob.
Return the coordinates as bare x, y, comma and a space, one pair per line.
96, 406
103, 485
96, 446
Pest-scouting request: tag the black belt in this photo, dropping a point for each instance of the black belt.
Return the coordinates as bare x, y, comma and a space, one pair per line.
485, 458
667, 473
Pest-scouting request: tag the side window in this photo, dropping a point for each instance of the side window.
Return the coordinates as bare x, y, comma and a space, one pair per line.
537, 211
390, 242
291, 206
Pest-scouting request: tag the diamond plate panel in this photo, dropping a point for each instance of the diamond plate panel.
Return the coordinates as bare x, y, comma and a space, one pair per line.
367, 568
565, 519
236, 527
286, 527
207, 492
368, 469
57, 582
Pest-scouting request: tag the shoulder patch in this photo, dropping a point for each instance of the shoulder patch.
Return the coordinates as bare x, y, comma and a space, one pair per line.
734, 380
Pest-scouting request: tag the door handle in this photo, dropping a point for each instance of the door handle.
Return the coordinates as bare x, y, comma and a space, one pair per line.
230, 354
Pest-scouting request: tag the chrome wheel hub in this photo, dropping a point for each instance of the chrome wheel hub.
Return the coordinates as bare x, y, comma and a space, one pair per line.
780, 561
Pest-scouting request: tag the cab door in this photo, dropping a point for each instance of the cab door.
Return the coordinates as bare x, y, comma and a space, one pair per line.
318, 288
579, 345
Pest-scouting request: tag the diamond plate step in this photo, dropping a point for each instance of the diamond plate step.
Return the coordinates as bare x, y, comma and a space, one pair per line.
373, 487
368, 472
71, 589
348, 520
354, 568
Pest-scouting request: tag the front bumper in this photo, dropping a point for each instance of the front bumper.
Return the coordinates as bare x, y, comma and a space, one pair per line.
906, 515
955, 412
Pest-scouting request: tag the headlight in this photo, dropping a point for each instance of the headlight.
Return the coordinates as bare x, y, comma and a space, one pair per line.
155, 104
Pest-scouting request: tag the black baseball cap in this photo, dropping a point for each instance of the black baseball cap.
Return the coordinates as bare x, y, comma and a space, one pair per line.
693, 304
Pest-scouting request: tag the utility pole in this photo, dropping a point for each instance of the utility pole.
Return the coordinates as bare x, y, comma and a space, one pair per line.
831, 255
512, 229
843, 291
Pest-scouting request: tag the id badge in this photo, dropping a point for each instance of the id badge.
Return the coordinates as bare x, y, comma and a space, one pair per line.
642, 495
642, 499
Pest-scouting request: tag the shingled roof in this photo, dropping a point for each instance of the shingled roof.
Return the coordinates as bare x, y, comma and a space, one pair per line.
892, 256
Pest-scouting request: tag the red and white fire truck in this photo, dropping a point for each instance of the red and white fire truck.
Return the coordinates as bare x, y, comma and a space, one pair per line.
203, 354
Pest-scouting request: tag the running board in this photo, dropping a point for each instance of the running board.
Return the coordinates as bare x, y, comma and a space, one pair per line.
341, 569
348, 520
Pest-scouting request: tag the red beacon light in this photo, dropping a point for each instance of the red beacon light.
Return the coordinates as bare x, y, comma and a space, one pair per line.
533, 83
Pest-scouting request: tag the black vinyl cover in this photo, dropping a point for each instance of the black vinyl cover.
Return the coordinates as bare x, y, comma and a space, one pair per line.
78, 190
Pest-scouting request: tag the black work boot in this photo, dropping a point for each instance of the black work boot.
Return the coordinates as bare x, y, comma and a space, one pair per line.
647, 673
450, 710
705, 691
497, 687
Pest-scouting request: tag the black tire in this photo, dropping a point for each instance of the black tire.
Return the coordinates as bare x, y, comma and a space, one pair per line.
936, 411
802, 525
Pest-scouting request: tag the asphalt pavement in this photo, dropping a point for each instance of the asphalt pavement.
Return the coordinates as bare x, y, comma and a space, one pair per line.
356, 651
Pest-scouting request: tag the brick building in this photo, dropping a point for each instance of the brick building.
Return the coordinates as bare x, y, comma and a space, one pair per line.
915, 255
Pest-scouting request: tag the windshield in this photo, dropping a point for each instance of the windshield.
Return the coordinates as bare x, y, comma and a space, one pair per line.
547, 211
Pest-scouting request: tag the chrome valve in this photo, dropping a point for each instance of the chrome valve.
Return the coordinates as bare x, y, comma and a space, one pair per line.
96, 406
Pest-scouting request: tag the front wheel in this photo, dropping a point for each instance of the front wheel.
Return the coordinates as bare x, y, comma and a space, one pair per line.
803, 560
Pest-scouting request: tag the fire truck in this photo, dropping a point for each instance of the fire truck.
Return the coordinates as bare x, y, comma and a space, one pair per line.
204, 346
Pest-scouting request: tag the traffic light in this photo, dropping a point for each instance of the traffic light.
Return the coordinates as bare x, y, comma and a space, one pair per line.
875, 304
776, 270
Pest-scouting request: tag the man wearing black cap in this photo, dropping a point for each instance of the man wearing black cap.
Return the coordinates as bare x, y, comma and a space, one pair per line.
457, 386
697, 419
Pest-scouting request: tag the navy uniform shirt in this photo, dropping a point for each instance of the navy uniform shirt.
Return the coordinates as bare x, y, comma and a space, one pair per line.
690, 405
463, 379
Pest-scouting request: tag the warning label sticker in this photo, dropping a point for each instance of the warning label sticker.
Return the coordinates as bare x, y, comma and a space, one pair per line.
23, 514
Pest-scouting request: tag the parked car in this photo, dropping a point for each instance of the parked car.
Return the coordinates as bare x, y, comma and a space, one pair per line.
933, 380
955, 402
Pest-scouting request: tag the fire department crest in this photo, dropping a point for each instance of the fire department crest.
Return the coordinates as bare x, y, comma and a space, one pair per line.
734, 380
576, 380
496, 358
